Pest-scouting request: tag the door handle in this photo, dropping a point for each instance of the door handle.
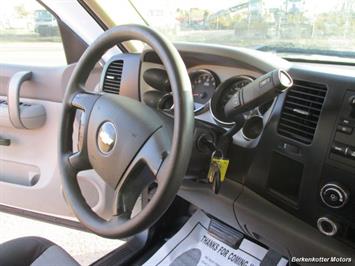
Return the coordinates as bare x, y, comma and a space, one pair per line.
5, 142
14, 97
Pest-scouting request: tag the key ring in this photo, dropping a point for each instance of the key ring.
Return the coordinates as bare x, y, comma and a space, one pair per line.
218, 152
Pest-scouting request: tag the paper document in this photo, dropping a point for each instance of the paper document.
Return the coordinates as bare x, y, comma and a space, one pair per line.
194, 246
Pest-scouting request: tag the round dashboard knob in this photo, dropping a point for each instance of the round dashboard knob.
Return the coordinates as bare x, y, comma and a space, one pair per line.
334, 195
327, 226
352, 101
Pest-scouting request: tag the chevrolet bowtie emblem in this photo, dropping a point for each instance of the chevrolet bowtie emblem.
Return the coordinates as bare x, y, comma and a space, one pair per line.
106, 137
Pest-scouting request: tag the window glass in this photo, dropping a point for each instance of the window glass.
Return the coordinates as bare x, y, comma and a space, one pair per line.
295, 29
29, 35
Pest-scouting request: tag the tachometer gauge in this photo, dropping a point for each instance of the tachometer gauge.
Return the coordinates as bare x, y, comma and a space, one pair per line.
204, 84
224, 92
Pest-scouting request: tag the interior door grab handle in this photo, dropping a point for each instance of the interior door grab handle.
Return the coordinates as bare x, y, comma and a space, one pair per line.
14, 97
5, 142
23, 115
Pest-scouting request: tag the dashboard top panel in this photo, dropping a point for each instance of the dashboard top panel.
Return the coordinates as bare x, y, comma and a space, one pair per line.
199, 54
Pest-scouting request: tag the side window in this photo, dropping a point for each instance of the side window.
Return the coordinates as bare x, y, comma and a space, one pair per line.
29, 35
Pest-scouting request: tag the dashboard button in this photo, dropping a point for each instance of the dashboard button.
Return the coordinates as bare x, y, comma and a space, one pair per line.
345, 129
264, 82
347, 122
289, 148
350, 153
352, 101
327, 226
334, 195
339, 148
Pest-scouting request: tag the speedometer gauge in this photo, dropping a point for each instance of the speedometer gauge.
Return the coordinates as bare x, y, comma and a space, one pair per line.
204, 84
224, 92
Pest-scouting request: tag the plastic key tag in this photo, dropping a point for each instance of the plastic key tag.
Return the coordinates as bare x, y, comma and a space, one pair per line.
218, 163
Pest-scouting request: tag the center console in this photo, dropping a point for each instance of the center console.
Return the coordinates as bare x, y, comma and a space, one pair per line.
305, 162
338, 176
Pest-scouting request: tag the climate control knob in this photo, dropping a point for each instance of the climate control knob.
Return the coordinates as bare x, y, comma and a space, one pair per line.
334, 195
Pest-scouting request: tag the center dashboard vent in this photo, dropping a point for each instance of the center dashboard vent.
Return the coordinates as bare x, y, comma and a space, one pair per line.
301, 111
112, 79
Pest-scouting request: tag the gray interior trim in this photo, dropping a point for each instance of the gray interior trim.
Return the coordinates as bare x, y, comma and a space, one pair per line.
262, 220
220, 205
43, 217
19, 173
199, 54
129, 85
73, 45
47, 83
264, 62
275, 227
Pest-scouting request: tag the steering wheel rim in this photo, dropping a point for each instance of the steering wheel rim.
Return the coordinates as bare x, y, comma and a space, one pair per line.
173, 167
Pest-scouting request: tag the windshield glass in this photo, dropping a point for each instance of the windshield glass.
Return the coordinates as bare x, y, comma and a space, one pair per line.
308, 29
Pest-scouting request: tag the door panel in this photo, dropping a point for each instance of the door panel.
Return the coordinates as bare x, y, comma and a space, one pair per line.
47, 83
29, 176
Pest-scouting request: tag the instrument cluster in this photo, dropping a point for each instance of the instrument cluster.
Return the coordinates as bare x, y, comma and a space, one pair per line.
209, 93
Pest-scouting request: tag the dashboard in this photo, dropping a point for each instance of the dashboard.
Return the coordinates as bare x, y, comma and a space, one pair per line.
292, 163
212, 86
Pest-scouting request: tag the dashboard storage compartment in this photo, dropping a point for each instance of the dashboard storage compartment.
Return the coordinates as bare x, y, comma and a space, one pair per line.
285, 176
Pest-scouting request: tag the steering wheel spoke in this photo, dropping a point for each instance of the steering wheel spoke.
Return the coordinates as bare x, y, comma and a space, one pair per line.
154, 151
143, 171
84, 100
79, 161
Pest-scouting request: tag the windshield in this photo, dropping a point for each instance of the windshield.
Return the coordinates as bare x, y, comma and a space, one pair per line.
308, 29
43, 15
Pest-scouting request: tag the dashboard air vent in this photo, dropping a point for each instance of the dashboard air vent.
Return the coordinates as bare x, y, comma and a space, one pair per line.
112, 80
301, 111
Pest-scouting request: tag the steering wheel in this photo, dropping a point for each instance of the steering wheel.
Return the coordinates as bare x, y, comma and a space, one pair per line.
126, 142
